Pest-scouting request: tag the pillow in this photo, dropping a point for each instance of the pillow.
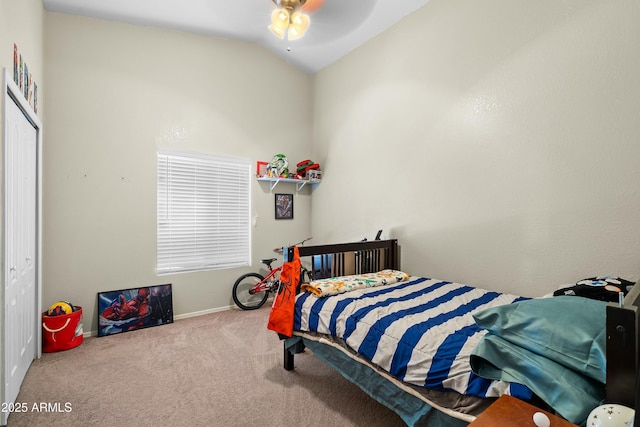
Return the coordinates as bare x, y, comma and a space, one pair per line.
570, 331
339, 285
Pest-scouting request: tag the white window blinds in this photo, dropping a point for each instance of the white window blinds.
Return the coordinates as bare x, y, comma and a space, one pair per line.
204, 212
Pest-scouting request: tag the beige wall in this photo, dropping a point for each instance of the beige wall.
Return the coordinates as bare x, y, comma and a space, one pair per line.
497, 139
118, 93
21, 22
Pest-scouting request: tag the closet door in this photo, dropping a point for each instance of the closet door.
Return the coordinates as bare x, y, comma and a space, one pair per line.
21, 313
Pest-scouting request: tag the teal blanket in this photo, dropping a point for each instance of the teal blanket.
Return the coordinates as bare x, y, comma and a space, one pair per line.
554, 346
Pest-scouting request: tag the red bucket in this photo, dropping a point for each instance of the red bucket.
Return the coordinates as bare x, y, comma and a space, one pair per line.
62, 332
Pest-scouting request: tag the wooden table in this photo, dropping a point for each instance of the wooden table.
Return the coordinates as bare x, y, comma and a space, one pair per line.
509, 411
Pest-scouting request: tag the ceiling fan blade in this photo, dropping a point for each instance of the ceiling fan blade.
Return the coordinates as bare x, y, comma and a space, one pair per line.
312, 5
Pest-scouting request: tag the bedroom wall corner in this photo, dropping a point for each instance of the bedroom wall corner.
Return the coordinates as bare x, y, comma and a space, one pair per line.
496, 140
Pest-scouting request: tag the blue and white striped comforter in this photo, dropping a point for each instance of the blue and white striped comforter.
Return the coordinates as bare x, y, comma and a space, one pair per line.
421, 331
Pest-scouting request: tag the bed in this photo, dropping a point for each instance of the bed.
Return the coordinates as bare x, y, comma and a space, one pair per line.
452, 348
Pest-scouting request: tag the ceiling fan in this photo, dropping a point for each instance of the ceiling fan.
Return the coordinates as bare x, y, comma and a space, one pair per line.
290, 17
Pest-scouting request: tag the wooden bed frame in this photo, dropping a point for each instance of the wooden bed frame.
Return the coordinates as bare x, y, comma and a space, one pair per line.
622, 351
370, 256
343, 259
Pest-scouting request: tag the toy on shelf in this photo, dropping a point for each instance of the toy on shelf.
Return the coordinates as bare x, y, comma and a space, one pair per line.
305, 166
279, 167
262, 169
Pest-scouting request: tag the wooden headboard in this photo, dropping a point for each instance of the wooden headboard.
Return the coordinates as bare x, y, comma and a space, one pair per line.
622, 350
349, 258
343, 259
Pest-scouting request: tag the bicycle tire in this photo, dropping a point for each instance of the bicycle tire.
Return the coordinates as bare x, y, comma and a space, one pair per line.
304, 272
241, 295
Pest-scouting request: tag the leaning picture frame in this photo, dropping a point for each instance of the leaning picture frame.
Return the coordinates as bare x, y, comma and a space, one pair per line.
262, 169
134, 308
284, 206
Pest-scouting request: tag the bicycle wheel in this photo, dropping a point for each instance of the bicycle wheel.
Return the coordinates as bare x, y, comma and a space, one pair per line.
305, 277
241, 295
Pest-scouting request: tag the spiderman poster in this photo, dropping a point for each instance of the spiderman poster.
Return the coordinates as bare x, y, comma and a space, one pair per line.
135, 308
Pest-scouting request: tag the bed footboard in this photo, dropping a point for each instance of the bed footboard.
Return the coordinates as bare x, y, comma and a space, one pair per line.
622, 350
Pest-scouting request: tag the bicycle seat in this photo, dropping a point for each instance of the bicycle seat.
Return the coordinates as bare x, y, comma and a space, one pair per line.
268, 261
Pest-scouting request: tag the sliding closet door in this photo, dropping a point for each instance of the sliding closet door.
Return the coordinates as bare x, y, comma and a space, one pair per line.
20, 293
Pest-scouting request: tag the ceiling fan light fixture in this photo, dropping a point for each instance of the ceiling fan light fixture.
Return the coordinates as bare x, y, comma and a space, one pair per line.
287, 19
277, 31
300, 21
280, 20
299, 24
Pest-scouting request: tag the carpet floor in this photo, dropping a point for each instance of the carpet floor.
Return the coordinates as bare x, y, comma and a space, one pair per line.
220, 369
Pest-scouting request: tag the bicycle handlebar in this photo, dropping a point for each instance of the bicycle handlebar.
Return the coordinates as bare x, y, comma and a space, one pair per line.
300, 243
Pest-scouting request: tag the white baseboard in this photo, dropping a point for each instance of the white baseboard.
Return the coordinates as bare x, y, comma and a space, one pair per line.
202, 312
178, 317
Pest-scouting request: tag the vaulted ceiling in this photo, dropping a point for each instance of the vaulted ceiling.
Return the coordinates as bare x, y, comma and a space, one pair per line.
337, 26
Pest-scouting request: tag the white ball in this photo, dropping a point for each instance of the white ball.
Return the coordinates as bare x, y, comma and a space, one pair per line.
611, 415
541, 420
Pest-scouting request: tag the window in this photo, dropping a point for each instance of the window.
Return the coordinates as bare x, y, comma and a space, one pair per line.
204, 212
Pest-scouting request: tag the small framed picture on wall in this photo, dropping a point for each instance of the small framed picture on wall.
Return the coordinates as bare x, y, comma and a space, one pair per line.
284, 206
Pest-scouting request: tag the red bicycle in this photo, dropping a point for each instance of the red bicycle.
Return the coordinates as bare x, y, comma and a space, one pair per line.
252, 290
